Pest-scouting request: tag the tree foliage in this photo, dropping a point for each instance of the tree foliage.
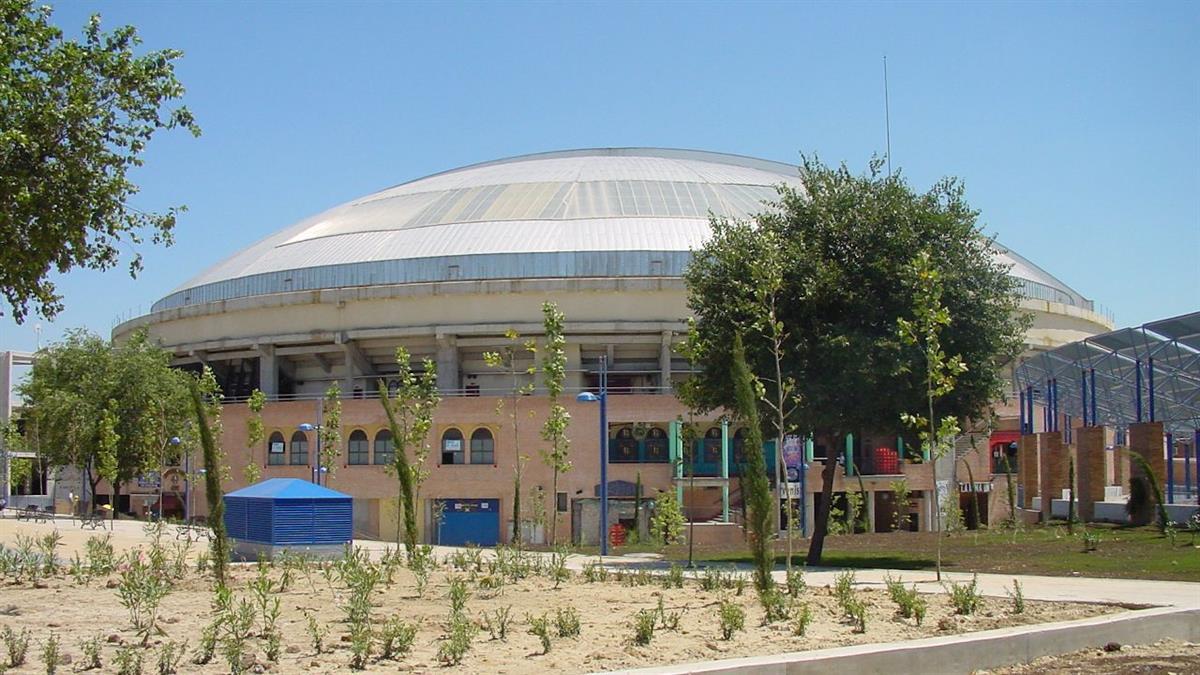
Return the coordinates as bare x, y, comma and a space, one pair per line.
755, 486
554, 430
108, 409
330, 432
254, 433
410, 417
75, 118
846, 240
206, 397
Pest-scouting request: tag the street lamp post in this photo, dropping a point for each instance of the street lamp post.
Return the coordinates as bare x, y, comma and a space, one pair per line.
589, 397
317, 469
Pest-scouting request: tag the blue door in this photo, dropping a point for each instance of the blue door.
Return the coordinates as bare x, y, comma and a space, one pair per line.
470, 521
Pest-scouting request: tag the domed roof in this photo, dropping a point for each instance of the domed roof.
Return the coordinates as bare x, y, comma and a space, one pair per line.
611, 212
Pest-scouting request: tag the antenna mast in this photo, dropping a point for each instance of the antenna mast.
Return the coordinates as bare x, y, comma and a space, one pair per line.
887, 117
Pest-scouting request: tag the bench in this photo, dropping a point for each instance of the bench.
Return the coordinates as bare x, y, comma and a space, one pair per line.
32, 512
92, 520
193, 532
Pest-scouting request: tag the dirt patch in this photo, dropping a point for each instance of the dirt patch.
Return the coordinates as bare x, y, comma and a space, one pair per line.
76, 611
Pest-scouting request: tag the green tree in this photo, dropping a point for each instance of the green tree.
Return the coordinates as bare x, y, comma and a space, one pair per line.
666, 525
410, 417
108, 409
757, 491
254, 433
847, 240
554, 429
206, 405
331, 430
520, 384
923, 330
75, 118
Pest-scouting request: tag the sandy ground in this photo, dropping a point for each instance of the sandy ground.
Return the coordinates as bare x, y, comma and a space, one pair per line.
75, 612
1160, 658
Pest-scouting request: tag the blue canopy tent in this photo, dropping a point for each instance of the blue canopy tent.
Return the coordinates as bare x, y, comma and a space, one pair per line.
288, 513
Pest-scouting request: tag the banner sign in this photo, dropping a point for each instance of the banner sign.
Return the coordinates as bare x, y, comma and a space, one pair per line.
793, 457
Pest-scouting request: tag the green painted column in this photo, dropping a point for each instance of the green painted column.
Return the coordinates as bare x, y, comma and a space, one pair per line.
900, 450
808, 448
725, 470
849, 454
675, 453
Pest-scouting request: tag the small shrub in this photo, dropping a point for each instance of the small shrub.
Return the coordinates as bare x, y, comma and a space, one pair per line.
169, 656
458, 595
673, 578
316, 633
909, 603
51, 655
16, 645
361, 642
795, 582
91, 654
558, 571
667, 620
48, 547
1018, 597
594, 571
732, 617
843, 587
100, 557
396, 638
458, 641
540, 626
856, 611
207, 649
1091, 541
965, 597
711, 579
801, 618
497, 622
643, 626
774, 604
128, 660
566, 621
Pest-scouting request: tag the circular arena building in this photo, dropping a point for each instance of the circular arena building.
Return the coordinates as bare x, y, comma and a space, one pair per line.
447, 264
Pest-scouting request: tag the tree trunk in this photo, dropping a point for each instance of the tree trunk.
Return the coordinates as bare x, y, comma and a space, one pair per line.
821, 526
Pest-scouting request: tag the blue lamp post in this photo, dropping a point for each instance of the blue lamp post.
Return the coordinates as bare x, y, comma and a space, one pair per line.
317, 469
589, 397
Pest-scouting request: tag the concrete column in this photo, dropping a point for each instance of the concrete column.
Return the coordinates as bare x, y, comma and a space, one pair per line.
1089, 469
810, 510
268, 371
664, 363
6, 365
348, 369
574, 379
1028, 453
1052, 469
447, 363
870, 497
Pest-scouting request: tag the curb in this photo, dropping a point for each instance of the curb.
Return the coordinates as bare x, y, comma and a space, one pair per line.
966, 652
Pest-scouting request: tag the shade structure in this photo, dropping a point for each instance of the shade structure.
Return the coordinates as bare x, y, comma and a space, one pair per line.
288, 513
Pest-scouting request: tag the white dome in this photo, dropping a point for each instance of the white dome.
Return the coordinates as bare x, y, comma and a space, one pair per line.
612, 212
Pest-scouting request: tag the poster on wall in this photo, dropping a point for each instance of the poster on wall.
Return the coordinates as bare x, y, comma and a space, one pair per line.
276, 447
793, 457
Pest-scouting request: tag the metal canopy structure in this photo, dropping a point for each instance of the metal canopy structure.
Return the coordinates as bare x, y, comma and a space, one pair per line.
1145, 374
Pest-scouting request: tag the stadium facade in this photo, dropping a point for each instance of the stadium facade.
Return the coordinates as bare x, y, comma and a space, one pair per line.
447, 264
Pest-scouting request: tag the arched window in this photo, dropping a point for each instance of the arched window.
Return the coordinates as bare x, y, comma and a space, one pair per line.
299, 453
623, 448
276, 449
385, 449
452, 446
739, 447
483, 448
657, 445
357, 447
711, 453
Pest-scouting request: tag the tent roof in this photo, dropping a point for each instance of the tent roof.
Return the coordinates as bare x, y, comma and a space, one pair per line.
287, 488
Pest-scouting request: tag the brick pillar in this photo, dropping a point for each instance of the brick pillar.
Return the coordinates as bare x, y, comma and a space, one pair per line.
1090, 469
1027, 468
1146, 439
1052, 469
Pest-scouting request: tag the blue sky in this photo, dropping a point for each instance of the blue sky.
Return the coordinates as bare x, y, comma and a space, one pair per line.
1075, 126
